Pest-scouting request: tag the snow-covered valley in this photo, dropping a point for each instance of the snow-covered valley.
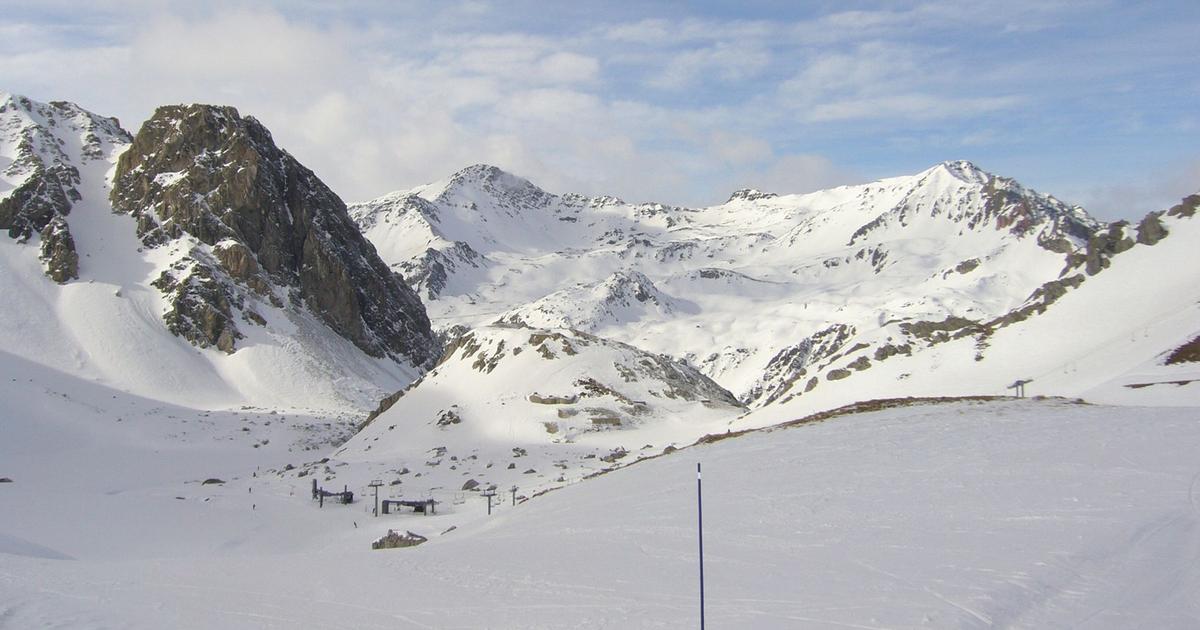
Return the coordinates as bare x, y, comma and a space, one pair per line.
958, 515
195, 331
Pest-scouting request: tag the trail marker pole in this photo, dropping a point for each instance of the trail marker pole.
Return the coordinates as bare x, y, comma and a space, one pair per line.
514, 494
700, 532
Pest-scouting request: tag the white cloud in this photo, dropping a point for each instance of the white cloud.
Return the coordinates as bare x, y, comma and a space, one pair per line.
1135, 195
236, 46
927, 107
384, 96
799, 174
724, 60
567, 67
876, 80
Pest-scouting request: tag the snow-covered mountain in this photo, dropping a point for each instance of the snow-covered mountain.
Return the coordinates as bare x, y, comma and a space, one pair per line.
771, 295
193, 328
536, 408
196, 264
620, 299
43, 148
200, 264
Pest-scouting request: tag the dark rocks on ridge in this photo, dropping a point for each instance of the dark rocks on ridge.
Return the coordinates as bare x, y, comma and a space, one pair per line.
208, 172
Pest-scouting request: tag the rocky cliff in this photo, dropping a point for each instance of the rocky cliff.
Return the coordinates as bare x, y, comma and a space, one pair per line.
44, 146
203, 174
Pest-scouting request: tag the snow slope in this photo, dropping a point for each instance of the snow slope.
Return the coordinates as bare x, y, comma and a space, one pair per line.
512, 406
1105, 341
727, 287
107, 326
625, 329
962, 515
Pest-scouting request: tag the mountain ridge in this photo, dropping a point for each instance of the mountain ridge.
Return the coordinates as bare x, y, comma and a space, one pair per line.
966, 243
166, 314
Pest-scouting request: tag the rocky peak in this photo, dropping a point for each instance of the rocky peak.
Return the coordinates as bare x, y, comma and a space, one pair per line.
961, 192
623, 285
750, 194
577, 200
483, 183
961, 170
622, 297
46, 145
206, 172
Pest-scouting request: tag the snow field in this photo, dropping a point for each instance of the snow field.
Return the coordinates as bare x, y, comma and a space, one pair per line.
962, 515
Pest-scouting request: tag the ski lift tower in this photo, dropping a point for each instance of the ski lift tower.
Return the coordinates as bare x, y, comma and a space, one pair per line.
488, 494
1019, 386
376, 484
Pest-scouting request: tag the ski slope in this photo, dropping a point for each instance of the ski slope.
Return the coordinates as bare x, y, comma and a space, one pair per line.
1029, 514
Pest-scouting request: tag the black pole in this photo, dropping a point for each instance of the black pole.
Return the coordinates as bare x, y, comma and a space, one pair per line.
700, 531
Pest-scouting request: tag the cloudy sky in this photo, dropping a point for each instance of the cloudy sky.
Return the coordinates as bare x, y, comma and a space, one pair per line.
1096, 102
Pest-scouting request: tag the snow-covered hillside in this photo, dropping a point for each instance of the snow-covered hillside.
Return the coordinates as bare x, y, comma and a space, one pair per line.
760, 292
119, 306
532, 408
962, 515
949, 282
194, 327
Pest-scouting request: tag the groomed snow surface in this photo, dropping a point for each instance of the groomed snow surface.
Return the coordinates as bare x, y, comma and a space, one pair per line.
1022, 514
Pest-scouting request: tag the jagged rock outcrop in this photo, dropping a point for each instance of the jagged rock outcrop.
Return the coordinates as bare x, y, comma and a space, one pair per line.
750, 194
393, 540
431, 272
44, 172
1151, 229
792, 363
201, 302
1102, 246
1186, 208
207, 172
58, 251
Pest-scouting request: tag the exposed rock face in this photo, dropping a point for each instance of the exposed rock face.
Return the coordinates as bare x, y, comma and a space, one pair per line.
1102, 246
392, 540
58, 251
432, 271
998, 202
1186, 208
207, 172
45, 175
201, 304
792, 363
750, 194
1151, 229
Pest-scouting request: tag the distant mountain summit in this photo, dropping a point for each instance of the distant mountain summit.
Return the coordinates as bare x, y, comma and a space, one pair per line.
771, 295
961, 192
483, 182
622, 298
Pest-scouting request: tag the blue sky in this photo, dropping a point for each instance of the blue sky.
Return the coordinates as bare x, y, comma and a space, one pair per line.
1095, 102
